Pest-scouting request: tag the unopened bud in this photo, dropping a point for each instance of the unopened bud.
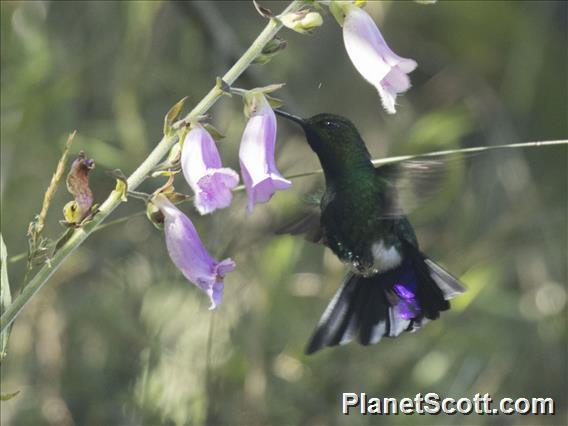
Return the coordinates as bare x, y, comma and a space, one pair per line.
175, 154
275, 45
302, 21
155, 216
272, 48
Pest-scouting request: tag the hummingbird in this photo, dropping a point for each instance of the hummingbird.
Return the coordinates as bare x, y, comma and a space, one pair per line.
391, 286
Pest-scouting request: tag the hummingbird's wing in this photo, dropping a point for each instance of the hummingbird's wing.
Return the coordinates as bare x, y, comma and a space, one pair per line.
412, 183
307, 221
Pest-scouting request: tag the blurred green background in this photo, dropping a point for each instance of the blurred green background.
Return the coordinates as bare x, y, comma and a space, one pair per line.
119, 337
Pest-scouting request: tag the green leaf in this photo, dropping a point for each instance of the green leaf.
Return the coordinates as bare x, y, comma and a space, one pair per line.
214, 132
337, 12
263, 11
274, 102
223, 86
121, 183
270, 88
5, 295
172, 116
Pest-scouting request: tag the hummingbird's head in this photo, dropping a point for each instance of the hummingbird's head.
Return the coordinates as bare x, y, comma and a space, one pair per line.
326, 131
331, 131
333, 138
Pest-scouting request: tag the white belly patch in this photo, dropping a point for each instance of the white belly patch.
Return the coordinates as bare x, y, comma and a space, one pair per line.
385, 258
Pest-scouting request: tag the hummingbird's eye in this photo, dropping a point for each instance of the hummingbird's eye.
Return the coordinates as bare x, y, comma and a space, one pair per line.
331, 124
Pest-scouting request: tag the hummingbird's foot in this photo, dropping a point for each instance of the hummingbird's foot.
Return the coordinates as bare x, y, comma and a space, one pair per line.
366, 269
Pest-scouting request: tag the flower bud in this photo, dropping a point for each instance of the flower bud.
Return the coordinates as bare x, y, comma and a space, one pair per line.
272, 48
302, 21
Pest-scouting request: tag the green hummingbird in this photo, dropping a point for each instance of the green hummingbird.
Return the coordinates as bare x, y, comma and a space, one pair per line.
392, 286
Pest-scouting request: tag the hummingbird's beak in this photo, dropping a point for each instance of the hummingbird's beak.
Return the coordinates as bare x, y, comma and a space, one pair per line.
291, 117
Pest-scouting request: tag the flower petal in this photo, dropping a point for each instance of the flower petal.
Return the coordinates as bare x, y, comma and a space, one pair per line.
365, 46
256, 153
204, 172
261, 192
188, 253
214, 190
374, 59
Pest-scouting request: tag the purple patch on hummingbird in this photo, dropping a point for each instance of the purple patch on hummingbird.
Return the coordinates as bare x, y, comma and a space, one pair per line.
407, 307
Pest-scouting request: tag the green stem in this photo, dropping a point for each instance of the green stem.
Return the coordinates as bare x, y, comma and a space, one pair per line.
140, 174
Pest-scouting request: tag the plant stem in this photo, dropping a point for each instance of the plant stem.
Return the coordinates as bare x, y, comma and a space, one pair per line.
140, 174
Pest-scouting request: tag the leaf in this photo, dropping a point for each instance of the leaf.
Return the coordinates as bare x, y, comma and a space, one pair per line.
214, 132
274, 102
121, 183
65, 237
270, 88
122, 189
5, 295
165, 172
172, 116
176, 197
223, 86
8, 396
262, 59
263, 11
337, 12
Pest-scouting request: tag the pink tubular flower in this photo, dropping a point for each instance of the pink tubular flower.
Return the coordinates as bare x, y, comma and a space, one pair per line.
374, 60
203, 171
256, 155
188, 253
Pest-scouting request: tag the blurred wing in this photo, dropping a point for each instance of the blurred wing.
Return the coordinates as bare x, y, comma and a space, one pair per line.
413, 183
306, 222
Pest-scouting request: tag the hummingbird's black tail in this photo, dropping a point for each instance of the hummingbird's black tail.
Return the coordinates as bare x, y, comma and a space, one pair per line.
386, 304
